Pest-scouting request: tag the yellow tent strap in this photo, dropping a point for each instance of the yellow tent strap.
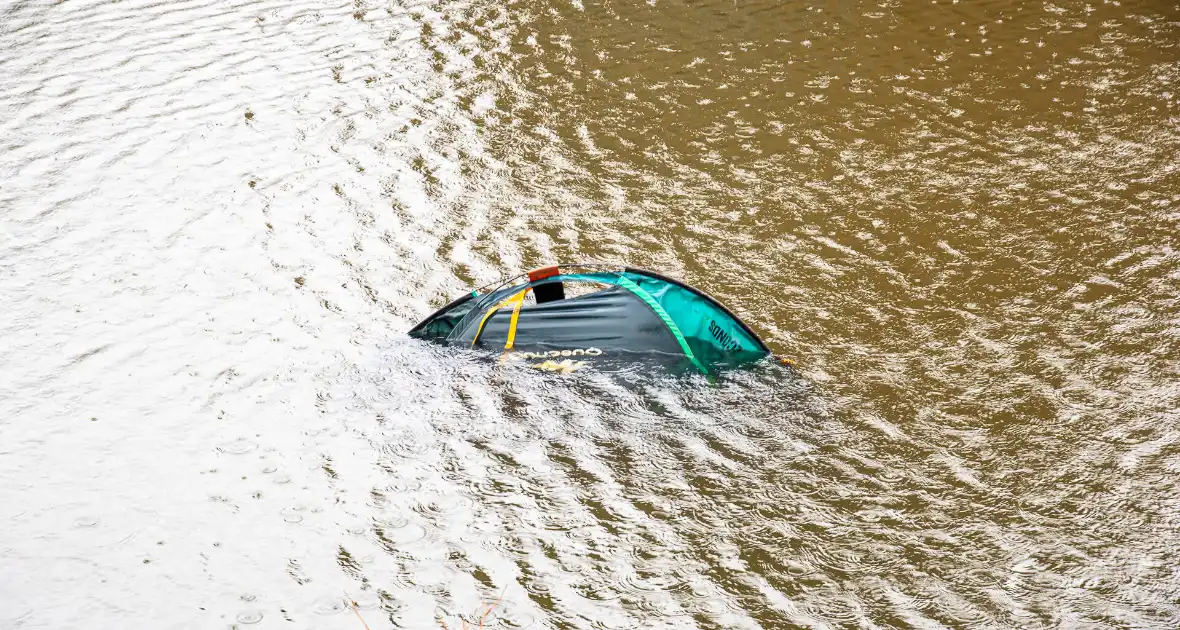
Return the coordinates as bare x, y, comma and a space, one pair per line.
518, 299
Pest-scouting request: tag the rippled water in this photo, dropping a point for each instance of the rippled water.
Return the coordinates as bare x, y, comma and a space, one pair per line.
217, 219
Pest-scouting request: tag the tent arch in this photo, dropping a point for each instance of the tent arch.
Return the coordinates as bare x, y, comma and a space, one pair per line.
635, 312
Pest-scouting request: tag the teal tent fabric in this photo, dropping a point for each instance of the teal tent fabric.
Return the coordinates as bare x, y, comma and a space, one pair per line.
715, 335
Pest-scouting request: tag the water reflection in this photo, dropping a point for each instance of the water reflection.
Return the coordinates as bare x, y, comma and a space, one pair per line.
217, 220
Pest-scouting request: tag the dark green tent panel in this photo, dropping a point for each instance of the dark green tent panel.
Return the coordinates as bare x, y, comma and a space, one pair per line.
616, 313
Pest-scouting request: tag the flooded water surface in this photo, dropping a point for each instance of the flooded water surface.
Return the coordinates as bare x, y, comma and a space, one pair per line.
219, 218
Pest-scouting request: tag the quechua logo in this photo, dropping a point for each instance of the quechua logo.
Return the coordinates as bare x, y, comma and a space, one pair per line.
723, 337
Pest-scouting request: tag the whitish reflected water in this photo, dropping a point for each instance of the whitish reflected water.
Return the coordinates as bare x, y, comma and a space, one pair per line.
218, 219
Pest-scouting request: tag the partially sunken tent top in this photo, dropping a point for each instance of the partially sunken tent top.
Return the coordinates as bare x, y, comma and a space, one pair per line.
590, 311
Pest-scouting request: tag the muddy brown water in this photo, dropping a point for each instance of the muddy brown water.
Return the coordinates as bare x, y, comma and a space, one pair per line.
218, 219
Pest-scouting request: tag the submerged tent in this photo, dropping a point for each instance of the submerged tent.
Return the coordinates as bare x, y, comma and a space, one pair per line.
565, 315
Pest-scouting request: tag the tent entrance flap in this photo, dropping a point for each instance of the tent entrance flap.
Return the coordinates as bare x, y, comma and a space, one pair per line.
613, 311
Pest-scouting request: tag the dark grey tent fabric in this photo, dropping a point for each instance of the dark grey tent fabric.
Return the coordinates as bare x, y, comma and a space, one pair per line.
587, 321
444, 320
